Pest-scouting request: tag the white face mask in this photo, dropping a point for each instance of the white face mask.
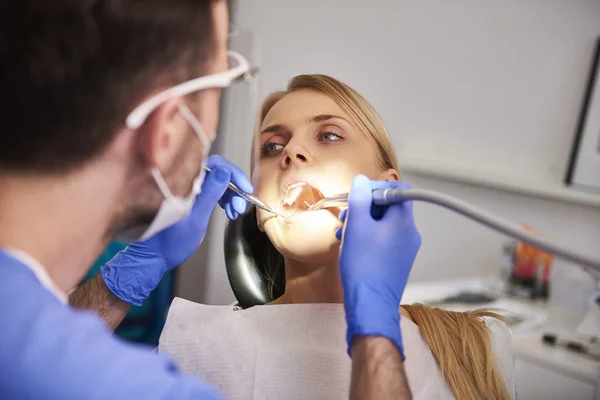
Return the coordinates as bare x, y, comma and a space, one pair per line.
173, 209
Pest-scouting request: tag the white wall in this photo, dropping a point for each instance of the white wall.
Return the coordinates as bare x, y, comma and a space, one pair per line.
495, 86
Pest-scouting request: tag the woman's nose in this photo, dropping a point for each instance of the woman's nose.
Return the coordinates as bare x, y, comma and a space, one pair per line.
295, 154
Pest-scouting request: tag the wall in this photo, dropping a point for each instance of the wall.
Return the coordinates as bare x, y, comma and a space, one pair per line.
494, 86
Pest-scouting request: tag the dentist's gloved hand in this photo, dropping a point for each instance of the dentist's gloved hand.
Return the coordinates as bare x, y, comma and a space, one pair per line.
379, 247
134, 272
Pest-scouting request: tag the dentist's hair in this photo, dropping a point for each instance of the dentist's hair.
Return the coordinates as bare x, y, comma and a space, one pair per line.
459, 341
72, 70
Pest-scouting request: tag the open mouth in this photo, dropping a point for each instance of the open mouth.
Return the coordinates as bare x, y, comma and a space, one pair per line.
300, 197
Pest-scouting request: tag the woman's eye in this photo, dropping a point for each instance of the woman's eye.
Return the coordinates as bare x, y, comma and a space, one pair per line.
271, 148
329, 137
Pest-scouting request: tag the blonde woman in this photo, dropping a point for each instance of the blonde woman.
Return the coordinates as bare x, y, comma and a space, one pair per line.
321, 132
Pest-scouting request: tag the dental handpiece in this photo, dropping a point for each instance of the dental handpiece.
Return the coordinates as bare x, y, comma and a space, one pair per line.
250, 198
391, 196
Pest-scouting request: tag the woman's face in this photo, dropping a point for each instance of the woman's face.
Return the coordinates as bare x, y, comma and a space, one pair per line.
306, 137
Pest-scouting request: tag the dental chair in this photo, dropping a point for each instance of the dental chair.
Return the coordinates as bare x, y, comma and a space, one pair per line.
245, 257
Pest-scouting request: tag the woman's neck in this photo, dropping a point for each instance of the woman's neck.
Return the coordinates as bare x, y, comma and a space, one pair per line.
311, 283
307, 283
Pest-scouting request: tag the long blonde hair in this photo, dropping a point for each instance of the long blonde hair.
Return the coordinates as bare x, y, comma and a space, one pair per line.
459, 341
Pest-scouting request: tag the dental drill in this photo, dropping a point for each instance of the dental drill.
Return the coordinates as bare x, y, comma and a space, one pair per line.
392, 196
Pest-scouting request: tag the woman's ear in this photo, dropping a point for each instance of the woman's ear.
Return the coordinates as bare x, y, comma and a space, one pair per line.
389, 175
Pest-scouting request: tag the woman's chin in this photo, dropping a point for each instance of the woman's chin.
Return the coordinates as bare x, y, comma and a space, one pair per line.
310, 252
305, 235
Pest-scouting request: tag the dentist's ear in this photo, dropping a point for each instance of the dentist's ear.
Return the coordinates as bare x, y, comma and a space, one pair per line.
159, 139
389, 175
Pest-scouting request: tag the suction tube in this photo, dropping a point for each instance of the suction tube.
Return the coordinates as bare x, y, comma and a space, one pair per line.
391, 196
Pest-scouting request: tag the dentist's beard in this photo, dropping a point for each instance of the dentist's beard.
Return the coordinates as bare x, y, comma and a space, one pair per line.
131, 226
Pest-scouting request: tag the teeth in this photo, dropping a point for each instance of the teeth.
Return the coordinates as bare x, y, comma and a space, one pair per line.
295, 185
292, 193
301, 196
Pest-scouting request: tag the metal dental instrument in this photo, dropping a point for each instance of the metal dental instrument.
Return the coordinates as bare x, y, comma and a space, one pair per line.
391, 196
250, 198
329, 202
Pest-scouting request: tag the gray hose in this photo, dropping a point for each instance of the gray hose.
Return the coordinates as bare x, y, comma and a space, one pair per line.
389, 196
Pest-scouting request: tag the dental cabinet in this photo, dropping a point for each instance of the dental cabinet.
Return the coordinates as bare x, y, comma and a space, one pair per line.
546, 372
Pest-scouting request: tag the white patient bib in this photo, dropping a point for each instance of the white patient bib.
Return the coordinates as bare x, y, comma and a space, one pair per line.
291, 351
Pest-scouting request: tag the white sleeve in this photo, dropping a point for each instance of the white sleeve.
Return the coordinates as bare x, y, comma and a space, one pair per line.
502, 347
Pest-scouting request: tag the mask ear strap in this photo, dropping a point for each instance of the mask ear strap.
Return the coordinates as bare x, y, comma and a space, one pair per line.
160, 182
195, 124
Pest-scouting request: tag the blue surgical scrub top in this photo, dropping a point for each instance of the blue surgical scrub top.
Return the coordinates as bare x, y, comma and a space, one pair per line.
49, 350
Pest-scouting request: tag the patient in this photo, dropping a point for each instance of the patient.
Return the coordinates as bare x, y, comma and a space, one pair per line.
323, 133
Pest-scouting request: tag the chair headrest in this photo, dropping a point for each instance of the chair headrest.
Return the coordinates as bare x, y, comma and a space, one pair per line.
246, 255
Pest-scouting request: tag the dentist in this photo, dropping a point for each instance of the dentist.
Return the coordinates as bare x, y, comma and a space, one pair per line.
109, 109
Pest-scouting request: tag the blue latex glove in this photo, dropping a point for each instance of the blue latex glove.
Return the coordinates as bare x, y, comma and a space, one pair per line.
379, 247
134, 272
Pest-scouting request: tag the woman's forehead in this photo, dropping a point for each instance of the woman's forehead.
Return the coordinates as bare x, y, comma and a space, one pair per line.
299, 106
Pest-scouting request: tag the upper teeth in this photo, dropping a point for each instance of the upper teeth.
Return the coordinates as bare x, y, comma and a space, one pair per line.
292, 193
295, 185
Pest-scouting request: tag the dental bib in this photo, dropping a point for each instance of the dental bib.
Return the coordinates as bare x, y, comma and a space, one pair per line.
291, 351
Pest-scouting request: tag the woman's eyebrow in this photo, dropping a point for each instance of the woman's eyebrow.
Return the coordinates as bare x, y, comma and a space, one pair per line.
312, 120
274, 128
324, 117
